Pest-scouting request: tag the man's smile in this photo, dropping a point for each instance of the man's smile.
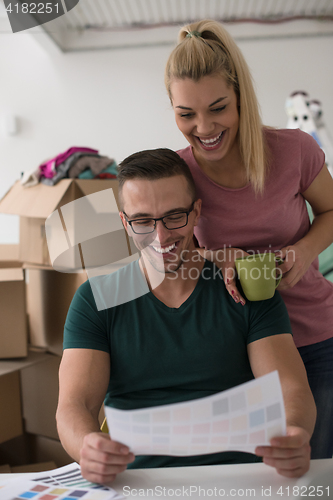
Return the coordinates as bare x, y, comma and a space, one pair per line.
165, 250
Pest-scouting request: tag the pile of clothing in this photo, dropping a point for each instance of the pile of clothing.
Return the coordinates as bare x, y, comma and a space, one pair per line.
76, 162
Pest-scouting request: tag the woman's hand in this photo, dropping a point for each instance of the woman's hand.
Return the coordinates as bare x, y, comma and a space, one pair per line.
224, 259
296, 261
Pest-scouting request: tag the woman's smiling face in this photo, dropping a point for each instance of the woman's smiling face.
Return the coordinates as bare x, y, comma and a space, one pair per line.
206, 113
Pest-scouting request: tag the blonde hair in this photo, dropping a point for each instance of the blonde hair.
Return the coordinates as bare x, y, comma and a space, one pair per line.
206, 48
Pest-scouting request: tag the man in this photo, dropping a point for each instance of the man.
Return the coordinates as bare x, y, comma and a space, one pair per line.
182, 339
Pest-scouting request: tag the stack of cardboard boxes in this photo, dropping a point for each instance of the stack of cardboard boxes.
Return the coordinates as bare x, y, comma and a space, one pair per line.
34, 300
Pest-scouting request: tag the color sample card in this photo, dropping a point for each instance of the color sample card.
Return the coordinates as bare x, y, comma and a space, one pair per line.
65, 483
238, 419
70, 476
30, 490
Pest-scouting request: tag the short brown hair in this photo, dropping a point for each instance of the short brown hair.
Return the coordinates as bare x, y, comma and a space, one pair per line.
153, 164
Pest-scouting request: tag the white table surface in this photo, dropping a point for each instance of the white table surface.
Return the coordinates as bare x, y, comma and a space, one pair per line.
221, 481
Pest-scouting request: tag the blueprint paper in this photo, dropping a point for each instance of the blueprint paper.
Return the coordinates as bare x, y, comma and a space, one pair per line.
238, 419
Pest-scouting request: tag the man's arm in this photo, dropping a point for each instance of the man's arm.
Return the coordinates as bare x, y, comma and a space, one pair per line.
83, 380
290, 454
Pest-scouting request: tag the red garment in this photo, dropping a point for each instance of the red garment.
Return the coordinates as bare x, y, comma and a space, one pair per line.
236, 218
49, 168
106, 175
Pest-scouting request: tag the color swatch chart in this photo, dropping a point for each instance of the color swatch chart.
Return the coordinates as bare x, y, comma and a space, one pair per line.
65, 483
238, 419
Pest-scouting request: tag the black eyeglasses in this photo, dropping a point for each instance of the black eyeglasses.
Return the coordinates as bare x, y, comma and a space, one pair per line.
172, 221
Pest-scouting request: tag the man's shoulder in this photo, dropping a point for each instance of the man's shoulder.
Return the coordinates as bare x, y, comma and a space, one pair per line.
211, 269
212, 279
268, 317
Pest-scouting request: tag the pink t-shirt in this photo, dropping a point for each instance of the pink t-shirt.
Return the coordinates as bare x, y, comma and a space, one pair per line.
278, 218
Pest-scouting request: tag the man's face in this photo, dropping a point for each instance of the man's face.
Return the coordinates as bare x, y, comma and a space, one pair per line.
144, 199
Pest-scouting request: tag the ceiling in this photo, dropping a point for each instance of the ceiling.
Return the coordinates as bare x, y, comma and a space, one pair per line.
141, 14
107, 24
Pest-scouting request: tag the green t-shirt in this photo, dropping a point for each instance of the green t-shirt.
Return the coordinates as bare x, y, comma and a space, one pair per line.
161, 355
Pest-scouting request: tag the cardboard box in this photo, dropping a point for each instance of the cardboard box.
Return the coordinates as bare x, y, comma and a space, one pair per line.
37, 467
49, 294
19, 448
39, 393
16, 451
28, 449
44, 449
11, 425
9, 255
10, 407
13, 317
4, 469
39, 389
13, 365
82, 235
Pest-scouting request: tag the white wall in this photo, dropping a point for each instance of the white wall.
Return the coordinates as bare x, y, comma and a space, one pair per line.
115, 100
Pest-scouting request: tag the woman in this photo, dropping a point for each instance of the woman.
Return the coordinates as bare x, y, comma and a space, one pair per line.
253, 182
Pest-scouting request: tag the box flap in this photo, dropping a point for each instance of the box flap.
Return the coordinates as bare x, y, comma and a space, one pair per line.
11, 274
13, 365
37, 201
95, 185
30, 265
5, 264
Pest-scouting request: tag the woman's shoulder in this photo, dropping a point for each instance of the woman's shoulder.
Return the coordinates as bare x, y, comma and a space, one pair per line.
295, 153
278, 134
276, 137
185, 153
